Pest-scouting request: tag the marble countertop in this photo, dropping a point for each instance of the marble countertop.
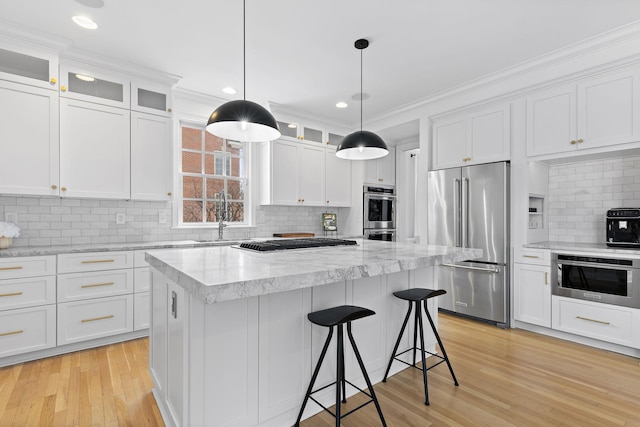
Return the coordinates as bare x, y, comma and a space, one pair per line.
109, 247
216, 274
582, 247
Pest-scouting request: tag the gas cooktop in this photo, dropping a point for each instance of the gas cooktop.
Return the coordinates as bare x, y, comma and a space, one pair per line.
276, 245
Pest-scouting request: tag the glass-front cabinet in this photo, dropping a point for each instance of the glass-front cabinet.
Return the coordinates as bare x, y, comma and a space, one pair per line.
28, 66
148, 97
85, 83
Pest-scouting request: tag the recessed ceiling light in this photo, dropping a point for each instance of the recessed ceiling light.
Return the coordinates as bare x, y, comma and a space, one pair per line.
342, 104
85, 78
85, 22
229, 90
293, 125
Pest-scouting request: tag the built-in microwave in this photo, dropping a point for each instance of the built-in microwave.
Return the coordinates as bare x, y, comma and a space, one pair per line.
379, 208
623, 227
606, 280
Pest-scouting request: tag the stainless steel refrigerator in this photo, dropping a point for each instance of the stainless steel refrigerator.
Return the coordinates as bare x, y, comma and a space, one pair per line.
469, 207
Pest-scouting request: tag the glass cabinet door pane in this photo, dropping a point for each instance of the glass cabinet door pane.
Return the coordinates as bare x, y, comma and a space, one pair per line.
24, 65
311, 134
288, 129
154, 100
335, 139
91, 86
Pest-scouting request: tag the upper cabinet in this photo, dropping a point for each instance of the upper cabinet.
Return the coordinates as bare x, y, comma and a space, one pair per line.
150, 98
382, 170
85, 83
337, 179
308, 133
29, 66
594, 112
478, 136
151, 177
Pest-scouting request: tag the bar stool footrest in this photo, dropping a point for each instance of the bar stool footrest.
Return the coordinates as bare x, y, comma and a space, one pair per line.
351, 411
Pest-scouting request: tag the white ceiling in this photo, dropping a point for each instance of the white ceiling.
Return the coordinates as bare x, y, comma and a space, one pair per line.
300, 53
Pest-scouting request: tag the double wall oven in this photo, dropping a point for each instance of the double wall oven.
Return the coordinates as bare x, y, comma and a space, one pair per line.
607, 280
379, 221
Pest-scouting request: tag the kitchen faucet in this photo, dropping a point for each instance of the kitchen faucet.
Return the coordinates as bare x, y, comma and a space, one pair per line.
221, 213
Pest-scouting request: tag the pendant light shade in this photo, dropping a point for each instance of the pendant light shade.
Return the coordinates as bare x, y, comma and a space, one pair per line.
362, 144
243, 120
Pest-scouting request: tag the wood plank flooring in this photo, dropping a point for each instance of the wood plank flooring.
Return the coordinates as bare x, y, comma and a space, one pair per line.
507, 378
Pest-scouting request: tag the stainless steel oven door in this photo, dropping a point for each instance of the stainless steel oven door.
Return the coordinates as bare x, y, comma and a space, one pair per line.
382, 235
379, 211
604, 283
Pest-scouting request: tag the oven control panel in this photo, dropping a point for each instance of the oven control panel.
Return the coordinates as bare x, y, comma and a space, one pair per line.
623, 213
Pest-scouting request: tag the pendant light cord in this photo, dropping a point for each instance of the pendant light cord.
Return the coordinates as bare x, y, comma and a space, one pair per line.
361, 94
244, 50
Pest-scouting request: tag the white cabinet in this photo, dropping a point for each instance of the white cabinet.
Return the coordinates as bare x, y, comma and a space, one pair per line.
475, 137
86, 83
337, 179
33, 67
30, 148
292, 173
382, 170
151, 167
303, 132
27, 304
151, 98
532, 287
594, 112
605, 322
94, 150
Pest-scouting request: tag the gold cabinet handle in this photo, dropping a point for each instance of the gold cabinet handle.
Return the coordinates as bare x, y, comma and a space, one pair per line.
95, 261
580, 141
573, 143
12, 333
466, 159
53, 187
63, 88
380, 179
593, 320
96, 284
17, 267
111, 316
531, 256
53, 80
12, 294
63, 188
546, 278
169, 193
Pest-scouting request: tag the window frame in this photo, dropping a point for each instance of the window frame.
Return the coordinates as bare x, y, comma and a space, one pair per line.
227, 161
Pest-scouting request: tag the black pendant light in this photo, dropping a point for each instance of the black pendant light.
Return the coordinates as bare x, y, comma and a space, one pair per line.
243, 120
362, 144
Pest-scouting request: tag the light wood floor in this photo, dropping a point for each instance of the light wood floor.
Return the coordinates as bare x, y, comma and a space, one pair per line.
507, 378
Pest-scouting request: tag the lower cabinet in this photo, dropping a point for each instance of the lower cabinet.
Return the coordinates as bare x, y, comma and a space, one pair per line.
27, 329
532, 294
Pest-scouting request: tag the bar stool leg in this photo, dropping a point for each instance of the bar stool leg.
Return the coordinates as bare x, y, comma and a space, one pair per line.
344, 381
444, 353
395, 349
339, 372
415, 333
364, 373
424, 362
315, 375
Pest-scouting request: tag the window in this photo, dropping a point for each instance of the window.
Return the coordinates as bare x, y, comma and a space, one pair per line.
213, 169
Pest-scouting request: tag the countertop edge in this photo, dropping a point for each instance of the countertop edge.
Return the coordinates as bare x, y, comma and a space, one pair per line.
582, 247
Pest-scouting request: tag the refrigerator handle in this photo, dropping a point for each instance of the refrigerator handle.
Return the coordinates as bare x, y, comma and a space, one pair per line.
465, 213
456, 212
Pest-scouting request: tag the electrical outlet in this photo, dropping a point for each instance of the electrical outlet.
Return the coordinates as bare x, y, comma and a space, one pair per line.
163, 218
11, 217
120, 218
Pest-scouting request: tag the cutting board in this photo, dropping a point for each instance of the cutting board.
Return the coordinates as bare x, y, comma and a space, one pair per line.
293, 234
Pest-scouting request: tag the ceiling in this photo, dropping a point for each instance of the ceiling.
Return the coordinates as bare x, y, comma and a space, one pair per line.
300, 53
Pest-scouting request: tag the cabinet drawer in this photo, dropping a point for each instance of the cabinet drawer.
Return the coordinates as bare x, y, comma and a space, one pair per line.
78, 286
532, 256
94, 261
11, 268
27, 329
604, 322
101, 317
141, 279
141, 304
28, 292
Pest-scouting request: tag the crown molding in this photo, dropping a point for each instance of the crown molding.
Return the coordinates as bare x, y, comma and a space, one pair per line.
191, 95
305, 115
31, 37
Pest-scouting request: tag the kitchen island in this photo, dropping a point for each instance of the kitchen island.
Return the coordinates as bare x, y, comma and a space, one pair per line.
230, 341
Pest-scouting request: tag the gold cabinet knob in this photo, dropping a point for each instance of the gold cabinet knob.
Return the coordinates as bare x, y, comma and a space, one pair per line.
63, 188
380, 179
466, 159
169, 110
169, 193
63, 88
327, 202
53, 80
580, 141
573, 143
53, 187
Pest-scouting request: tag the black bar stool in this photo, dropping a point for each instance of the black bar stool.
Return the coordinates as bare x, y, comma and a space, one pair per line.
331, 317
417, 295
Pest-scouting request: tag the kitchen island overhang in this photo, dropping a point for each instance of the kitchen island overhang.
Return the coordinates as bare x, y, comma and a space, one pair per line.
230, 341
